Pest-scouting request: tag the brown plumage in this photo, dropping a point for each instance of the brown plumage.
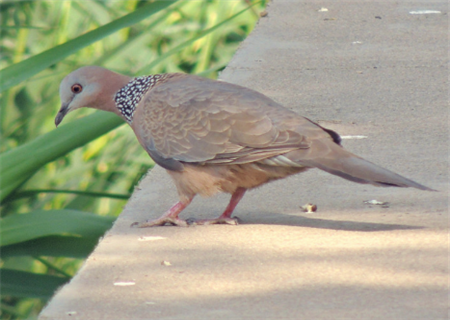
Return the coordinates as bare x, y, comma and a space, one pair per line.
214, 136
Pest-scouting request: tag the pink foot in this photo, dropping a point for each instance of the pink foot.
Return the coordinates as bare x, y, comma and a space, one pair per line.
170, 217
233, 221
160, 222
225, 217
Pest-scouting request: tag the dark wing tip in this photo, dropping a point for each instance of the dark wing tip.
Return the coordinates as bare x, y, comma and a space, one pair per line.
411, 184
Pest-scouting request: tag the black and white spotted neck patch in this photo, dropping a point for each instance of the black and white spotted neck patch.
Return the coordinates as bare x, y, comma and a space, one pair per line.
129, 96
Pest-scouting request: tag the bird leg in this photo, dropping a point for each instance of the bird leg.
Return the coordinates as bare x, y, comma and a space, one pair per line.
225, 217
171, 217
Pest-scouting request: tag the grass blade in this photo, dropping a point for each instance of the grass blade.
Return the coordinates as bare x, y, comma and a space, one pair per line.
23, 70
18, 228
52, 246
148, 68
32, 193
17, 283
21, 163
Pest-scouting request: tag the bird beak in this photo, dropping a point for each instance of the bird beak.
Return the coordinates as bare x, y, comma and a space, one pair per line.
61, 114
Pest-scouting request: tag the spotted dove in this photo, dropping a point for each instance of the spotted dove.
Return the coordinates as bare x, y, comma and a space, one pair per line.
213, 136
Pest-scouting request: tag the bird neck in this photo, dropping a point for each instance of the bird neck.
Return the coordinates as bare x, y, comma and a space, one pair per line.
106, 101
128, 97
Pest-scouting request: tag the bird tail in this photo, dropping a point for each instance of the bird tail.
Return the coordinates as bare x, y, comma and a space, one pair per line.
334, 159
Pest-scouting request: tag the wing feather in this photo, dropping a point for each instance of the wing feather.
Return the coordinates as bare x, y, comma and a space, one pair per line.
196, 120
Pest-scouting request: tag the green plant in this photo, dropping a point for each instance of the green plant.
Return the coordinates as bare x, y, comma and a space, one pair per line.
46, 227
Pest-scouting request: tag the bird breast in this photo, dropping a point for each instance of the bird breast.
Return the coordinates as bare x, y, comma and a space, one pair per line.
208, 180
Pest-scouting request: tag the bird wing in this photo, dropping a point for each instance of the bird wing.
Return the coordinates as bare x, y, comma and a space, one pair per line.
197, 120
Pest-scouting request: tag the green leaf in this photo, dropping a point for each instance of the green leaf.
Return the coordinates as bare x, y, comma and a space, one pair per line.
40, 223
52, 246
23, 70
21, 163
148, 68
136, 38
32, 193
17, 283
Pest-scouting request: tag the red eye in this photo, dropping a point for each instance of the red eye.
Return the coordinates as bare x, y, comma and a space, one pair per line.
77, 88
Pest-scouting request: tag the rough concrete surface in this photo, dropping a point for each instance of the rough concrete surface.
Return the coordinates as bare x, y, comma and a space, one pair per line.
361, 68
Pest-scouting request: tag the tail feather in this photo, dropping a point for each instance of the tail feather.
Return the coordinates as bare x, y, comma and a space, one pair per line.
362, 171
336, 160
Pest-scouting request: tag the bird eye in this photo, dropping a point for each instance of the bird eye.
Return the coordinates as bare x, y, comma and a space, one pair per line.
77, 88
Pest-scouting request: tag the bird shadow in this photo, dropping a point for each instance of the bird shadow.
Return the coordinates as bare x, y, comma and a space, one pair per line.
267, 218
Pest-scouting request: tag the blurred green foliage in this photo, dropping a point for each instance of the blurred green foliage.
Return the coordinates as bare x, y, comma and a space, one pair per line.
48, 193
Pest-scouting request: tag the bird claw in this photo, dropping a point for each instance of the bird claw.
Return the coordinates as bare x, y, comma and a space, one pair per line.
191, 221
232, 221
160, 222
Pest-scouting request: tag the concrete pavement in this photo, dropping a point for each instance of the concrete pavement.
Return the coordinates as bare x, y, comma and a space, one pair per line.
373, 69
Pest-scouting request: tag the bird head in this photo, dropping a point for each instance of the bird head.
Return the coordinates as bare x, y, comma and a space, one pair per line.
91, 87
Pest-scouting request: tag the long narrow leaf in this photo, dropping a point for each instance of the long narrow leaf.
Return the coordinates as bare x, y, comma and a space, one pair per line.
52, 246
148, 68
40, 223
21, 71
137, 38
17, 283
21, 163
32, 193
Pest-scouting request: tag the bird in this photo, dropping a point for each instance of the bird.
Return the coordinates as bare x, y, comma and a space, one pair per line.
213, 136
